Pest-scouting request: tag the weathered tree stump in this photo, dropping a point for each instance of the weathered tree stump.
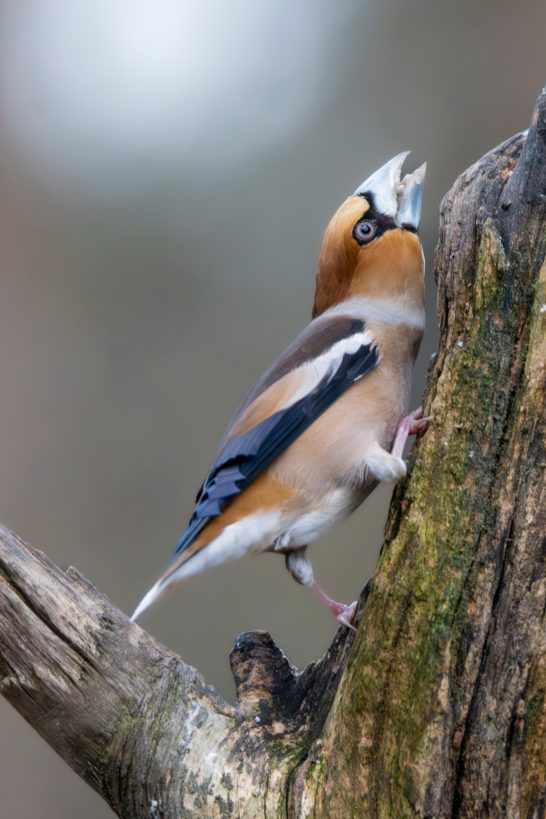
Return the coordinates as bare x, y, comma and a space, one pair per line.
437, 707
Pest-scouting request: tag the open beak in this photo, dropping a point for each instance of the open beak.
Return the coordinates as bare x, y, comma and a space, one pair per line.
410, 196
399, 199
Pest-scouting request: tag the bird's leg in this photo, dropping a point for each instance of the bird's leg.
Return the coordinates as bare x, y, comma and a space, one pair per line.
299, 566
343, 612
410, 425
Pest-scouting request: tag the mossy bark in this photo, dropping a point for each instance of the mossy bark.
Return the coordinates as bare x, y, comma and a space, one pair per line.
437, 707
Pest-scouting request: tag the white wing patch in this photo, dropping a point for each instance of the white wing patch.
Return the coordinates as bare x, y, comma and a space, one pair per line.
312, 372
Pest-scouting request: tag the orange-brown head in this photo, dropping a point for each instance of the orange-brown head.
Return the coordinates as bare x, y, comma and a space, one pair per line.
371, 248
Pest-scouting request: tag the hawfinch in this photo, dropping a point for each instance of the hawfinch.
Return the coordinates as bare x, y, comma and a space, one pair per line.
328, 420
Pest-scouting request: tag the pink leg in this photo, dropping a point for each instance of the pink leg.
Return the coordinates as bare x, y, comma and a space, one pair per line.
410, 425
342, 612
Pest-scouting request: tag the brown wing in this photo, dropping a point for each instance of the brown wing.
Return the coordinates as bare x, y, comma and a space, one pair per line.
313, 341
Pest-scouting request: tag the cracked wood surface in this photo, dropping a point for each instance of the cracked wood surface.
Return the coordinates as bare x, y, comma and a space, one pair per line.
131, 718
437, 707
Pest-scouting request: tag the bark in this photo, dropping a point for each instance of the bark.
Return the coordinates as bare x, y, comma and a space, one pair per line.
437, 707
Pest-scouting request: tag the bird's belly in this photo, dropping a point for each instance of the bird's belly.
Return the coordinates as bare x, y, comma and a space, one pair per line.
310, 525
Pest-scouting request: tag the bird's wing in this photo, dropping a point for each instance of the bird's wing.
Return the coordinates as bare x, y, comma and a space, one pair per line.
323, 362
316, 339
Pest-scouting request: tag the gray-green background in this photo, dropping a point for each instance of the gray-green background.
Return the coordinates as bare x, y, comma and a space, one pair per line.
167, 169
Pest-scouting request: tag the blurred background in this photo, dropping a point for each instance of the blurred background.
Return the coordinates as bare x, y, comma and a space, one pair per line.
167, 169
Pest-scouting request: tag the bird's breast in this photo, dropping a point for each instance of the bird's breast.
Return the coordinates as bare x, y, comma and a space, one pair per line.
332, 451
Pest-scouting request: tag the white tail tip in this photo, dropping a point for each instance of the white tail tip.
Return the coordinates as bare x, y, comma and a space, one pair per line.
147, 601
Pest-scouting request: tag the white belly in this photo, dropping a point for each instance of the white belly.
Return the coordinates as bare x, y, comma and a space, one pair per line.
310, 525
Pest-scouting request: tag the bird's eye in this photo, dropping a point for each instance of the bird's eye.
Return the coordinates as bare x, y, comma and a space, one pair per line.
364, 231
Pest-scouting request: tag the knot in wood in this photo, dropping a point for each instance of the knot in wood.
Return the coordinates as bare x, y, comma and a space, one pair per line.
264, 679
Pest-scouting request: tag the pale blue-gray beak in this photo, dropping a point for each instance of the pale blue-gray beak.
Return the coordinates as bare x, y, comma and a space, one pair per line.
399, 199
410, 196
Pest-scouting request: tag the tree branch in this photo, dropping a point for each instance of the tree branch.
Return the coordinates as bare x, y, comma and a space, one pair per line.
138, 724
437, 708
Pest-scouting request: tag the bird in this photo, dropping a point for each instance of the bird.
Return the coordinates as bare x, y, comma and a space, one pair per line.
329, 419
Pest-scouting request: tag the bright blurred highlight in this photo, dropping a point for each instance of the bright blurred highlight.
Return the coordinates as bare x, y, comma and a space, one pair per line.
94, 86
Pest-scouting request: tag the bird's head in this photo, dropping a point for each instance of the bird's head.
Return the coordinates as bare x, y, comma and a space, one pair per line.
371, 248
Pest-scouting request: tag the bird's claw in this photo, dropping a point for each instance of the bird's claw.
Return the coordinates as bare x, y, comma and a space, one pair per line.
419, 425
416, 422
346, 616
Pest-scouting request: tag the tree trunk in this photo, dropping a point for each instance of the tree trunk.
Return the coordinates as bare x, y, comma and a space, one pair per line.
437, 707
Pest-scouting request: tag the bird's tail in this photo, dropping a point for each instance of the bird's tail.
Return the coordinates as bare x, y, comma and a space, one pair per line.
149, 598
173, 573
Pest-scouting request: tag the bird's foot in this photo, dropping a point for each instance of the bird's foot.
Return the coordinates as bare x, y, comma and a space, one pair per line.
416, 422
346, 615
410, 425
343, 612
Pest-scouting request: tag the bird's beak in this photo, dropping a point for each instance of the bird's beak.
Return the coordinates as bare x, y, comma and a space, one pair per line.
410, 196
399, 199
